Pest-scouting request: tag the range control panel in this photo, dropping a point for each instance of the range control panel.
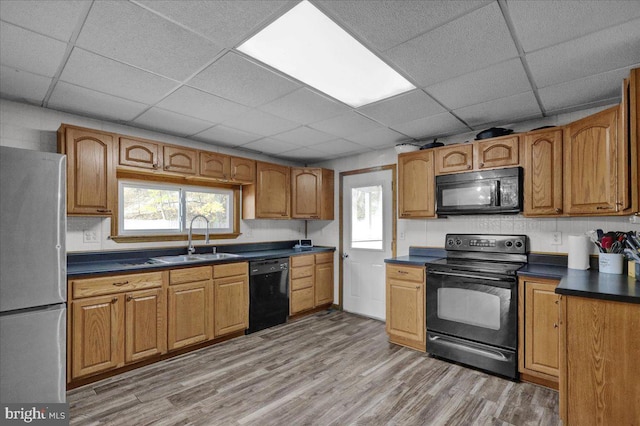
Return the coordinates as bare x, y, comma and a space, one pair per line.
487, 243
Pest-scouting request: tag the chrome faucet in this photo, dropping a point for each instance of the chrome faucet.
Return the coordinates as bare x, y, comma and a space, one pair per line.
192, 249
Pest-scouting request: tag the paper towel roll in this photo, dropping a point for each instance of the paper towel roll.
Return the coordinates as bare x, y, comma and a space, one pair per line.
579, 249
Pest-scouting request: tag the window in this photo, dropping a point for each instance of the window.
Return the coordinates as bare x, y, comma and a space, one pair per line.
366, 217
149, 208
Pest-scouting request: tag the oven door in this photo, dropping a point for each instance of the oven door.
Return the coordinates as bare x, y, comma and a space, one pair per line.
472, 306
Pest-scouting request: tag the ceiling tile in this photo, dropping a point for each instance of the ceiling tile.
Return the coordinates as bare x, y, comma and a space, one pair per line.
346, 124
67, 97
98, 73
573, 94
305, 155
304, 106
610, 49
202, 105
542, 23
28, 51
270, 146
170, 122
378, 138
53, 18
260, 123
402, 108
131, 34
240, 80
340, 147
428, 127
384, 24
226, 136
22, 85
304, 136
225, 22
494, 82
474, 41
512, 108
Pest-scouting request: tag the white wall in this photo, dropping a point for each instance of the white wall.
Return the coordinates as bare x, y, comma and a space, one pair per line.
31, 127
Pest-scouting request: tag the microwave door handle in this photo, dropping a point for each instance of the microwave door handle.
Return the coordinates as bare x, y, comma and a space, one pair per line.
496, 193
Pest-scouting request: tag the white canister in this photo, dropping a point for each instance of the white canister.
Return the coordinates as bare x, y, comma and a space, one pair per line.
579, 249
610, 263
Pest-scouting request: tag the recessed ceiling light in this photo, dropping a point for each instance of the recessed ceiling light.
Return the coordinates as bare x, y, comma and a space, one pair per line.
305, 44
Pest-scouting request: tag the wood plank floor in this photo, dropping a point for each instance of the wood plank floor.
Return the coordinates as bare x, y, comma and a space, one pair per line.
331, 368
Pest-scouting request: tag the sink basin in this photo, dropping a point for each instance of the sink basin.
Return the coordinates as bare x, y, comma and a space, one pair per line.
185, 258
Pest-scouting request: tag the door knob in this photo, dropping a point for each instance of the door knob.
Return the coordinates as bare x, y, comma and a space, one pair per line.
345, 255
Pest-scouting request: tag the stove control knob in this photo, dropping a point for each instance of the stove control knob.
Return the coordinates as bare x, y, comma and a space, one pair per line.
458, 241
509, 243
519, 243
450, 242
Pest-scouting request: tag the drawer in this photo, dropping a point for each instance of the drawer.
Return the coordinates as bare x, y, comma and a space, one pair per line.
301, 300
324, 257
230, 269
302, 271
114, 284
405, 273
305, 260
189, 275
300, 283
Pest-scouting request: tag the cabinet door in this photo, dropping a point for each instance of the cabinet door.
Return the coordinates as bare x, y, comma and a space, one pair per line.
455, 158
231, 311
215, 165
324, 283
180, 160
145, 324
591, 176
98, 333
273, 191
138, 153
406, 312
416, 184
190, 319
306, 189
243, 170
543, 173
91, 177
541, 338
301, 300
496, 152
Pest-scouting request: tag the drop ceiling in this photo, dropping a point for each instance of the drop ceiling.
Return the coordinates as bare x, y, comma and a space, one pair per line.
173, 67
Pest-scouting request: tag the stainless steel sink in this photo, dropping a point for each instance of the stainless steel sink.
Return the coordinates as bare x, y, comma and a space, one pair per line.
186, 258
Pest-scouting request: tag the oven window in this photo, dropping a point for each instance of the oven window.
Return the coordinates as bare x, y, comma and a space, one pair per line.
469, 307
476, 195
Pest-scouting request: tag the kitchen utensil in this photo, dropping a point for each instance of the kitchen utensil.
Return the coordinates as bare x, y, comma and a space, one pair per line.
616, 247
631, 254
600, 234
606, 242
493, 132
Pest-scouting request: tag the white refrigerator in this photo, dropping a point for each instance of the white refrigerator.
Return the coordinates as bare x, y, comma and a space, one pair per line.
33, 295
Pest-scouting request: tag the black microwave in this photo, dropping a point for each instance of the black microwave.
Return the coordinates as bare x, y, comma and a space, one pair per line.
496, 191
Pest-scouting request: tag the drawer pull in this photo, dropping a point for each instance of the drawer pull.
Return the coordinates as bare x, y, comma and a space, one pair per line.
121, 283
129, 298
403, 272
114, 300
417, 287
103, 210
555, 325
558, 210
604, 208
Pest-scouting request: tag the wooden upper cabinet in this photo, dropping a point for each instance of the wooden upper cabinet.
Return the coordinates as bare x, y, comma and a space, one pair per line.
416, 184
496, 152
91, 180
243, 170
542, 158
269, 197
454, 158
139, 153
215, 165
311, 193
591, 175
180, 159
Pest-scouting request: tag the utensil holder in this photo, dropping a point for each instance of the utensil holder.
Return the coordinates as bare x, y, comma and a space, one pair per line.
610, 263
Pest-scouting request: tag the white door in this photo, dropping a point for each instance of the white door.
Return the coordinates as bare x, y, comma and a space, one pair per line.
367, 239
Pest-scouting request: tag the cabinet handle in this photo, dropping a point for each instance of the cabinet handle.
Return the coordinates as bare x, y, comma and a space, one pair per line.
468, 166
129, 298
417, 287
403, 272
104, 210
155, 165
558, 210
555, 325
114, 300
604, 208
481, 164
314, 217
121, 283
557, 302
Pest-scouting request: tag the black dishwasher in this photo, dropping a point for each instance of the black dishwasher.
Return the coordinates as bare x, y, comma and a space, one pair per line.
268, 293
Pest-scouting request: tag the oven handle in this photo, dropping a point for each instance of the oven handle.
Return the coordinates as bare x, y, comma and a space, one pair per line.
484, 352
478, 277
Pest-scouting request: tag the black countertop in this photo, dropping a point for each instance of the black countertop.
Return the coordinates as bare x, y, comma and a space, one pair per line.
590, 283
98, 263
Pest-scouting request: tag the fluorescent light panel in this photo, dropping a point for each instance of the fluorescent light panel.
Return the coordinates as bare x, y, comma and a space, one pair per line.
305, 44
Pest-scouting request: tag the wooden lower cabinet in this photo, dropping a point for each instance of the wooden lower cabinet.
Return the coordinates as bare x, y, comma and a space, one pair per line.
190, 319
599, 374
406, 305
538, 328
231, 300
310, 281
145, 324
323, 291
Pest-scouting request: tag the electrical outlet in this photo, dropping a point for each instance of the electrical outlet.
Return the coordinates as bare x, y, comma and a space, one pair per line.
89, 236
556, 238
401, 236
